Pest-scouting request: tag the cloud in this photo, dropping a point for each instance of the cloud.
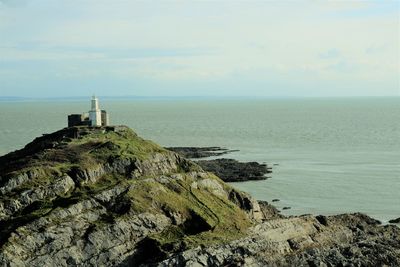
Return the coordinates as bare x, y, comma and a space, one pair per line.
376, 49
342, 66
329, 54
197, 43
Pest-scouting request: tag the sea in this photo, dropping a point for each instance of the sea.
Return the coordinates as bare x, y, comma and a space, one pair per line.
328, 155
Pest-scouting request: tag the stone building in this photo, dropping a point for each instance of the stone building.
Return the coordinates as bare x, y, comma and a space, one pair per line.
95, 116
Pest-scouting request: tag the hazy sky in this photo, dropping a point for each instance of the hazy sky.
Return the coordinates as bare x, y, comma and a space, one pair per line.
158, 48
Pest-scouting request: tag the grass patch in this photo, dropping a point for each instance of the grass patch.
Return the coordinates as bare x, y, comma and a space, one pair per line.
199, 216
125, 144
219, 219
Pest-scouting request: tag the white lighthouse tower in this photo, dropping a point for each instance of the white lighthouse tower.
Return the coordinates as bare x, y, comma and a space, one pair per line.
95, 112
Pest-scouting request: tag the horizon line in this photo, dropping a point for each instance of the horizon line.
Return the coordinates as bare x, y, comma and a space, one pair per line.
122, 97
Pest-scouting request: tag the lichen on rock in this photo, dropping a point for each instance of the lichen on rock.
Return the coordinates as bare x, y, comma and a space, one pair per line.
99, 196
103, 196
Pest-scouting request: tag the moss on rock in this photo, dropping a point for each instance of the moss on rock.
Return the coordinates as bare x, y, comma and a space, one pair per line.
126, 176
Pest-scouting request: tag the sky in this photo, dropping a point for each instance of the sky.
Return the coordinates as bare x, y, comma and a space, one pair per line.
199, 48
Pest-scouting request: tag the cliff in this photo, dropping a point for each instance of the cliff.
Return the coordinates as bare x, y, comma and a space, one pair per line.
106, 197
98, 196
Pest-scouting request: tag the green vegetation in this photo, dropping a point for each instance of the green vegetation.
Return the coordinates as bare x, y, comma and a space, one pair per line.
217, 219
125, 144
93, 147
199, 217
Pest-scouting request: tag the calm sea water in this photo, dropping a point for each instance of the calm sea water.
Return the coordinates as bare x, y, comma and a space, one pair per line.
334, 155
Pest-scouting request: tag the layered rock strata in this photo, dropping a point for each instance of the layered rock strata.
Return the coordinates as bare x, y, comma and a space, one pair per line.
105, 197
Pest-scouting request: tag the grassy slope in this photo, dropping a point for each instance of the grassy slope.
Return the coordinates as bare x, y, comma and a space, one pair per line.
220, 220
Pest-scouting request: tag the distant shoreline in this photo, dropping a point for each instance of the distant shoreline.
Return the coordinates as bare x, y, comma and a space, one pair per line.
169, 98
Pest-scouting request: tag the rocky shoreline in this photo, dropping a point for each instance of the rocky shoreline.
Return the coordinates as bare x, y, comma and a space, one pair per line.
103, 196
229, 170
341, 240
395, 221
200, 152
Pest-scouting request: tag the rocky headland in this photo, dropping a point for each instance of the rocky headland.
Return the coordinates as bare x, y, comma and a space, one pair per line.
229, 170
105, 197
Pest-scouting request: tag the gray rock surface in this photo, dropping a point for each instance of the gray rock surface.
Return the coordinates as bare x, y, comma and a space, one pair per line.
348, 240
105, 197
97, 202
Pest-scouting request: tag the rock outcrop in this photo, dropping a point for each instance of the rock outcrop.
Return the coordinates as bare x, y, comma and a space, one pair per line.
105, 197
395, 220
343, 240
229, 170
200, 152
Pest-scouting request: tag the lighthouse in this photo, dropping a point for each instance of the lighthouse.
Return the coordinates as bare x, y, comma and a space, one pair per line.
95, 112
95, 117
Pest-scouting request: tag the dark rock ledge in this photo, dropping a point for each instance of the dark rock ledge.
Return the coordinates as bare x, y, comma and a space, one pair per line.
229, 170
200, 152
395, 220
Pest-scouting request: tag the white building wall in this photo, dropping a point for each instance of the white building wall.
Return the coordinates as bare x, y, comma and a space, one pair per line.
95, 117
95, 112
